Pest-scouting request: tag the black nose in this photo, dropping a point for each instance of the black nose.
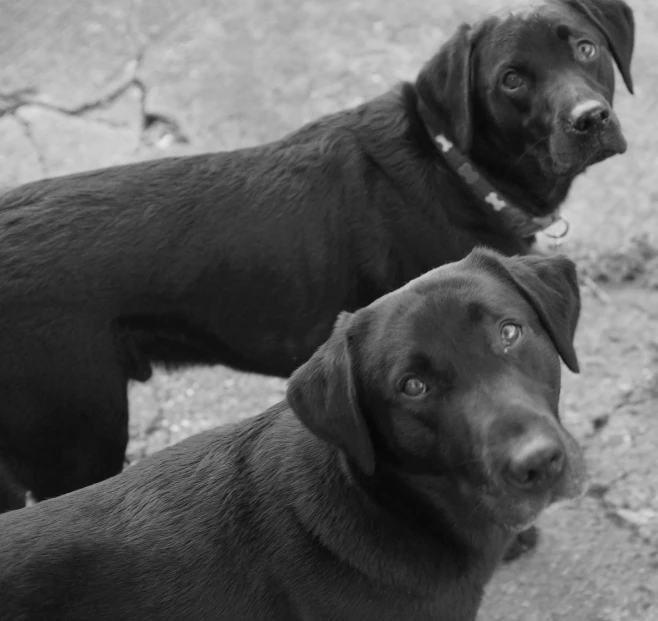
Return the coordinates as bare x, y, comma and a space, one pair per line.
535, 462
589, 116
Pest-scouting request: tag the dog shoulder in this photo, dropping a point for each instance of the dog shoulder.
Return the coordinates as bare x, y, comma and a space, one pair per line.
186, 500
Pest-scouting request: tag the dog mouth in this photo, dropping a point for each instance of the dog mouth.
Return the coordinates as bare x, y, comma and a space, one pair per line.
515, 507
514, 513
569, 154
565, 167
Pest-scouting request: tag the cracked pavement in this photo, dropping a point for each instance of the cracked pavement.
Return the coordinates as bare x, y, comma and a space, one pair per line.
85, 85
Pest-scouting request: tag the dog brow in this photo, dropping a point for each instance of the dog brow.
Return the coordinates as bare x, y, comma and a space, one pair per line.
475, 311
444, 376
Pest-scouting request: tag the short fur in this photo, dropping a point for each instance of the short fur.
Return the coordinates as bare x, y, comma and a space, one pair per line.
246, 258
350, 501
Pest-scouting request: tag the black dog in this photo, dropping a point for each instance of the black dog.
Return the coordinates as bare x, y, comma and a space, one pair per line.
430, 435
246, 258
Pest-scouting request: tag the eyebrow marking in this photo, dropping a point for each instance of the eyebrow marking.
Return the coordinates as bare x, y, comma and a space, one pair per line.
475, 311
563, 32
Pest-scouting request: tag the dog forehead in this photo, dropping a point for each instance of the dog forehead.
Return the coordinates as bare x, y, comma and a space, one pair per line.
534, 12
446, 296
520, 10
532, 31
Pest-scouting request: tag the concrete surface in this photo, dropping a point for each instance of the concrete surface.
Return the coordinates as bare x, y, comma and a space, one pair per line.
89, 84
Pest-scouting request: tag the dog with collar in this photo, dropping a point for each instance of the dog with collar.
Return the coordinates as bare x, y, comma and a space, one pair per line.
246, 258
412, 446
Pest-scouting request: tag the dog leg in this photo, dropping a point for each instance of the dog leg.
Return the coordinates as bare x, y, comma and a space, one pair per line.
77, 436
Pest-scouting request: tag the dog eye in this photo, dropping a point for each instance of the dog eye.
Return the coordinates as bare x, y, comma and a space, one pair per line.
509, 334
512, 81
586, 50
413, 387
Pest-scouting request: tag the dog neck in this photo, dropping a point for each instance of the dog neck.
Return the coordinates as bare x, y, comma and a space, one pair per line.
438, 505
519, 220
515, 218
377, 525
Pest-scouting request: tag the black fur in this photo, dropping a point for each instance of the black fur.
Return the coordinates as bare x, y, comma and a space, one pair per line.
350, 501
246, 258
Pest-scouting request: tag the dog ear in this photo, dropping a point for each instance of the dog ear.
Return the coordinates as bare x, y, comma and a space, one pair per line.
614, 18
550, 285
321, 393
444, 89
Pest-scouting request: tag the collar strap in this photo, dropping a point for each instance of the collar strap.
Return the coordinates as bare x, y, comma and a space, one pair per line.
514, 217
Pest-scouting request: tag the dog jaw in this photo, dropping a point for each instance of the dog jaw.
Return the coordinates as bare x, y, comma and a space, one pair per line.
571, 154
515, 511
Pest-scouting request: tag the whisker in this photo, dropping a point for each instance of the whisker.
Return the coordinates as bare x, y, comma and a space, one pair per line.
524, 154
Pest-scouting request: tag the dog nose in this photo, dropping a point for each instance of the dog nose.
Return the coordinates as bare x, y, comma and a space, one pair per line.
535, 463
589, 116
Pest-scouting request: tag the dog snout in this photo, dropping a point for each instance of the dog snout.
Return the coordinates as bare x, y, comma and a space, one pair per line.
535, 462
589, 116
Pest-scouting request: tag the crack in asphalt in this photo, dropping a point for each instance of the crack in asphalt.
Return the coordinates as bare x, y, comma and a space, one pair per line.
13, 102
610, 511
27, 131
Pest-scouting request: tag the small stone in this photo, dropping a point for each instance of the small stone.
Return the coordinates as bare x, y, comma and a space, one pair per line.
625, 389
598, 490
600, 421
639, 518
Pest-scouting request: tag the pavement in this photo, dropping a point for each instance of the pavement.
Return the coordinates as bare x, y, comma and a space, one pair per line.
91, 84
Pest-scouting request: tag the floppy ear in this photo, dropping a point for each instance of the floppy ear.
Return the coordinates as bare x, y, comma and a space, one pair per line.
614, 18
322, 395
550, 285
444, 90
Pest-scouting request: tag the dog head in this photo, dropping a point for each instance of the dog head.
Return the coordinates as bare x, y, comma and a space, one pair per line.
531, 91
455, 378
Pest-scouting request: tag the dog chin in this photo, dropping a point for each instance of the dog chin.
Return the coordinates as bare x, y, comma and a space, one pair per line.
567, 167
515, 514
570, 164
521, 517
514, 528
